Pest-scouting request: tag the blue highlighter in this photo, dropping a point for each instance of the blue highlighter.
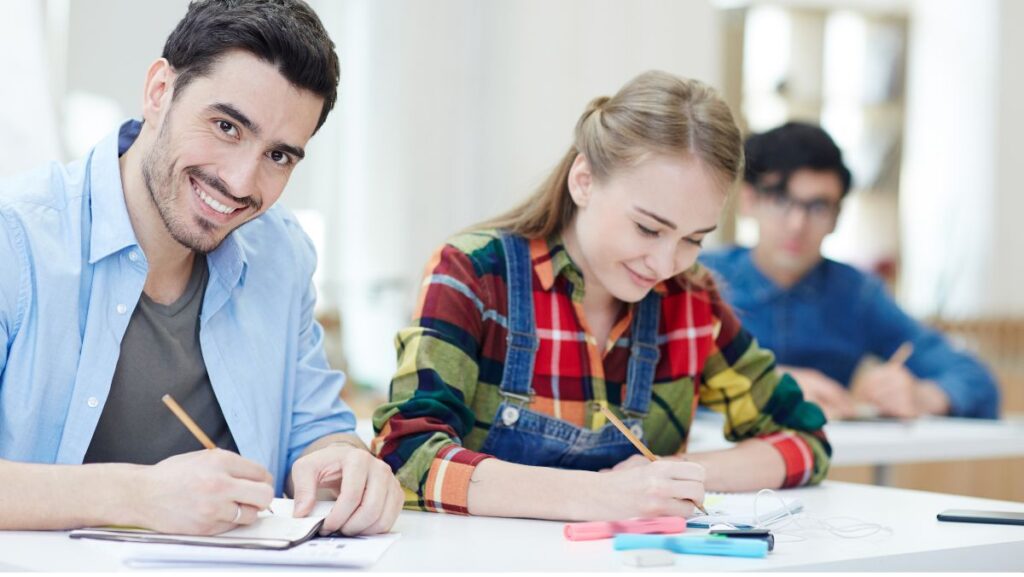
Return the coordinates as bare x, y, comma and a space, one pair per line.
696, 545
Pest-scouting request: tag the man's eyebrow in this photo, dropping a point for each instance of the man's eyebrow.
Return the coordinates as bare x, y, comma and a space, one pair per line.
662, 220
292, 150
246, 122
237, 115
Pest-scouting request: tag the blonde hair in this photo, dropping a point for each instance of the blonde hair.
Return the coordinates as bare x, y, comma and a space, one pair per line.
656, 112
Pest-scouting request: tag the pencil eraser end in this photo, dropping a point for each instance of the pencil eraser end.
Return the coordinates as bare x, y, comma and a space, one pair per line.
648, 558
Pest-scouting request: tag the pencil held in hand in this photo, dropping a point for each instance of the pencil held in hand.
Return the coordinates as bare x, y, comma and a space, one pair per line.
902, 354
187, 421
191, 426
639, 445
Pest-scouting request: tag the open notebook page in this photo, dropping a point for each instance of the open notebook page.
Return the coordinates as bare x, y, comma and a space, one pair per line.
738, 509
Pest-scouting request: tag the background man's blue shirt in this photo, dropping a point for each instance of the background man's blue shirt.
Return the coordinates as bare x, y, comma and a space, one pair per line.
835, 316
71, 273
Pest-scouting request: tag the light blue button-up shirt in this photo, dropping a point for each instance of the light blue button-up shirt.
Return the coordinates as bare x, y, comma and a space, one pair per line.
71, 273
835, 316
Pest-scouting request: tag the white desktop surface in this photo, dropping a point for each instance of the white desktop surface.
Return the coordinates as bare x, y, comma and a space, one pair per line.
435, 542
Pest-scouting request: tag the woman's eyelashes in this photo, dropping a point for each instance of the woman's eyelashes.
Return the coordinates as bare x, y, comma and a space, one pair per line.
647, 231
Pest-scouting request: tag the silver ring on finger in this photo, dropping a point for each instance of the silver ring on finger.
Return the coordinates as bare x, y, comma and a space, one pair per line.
238, 514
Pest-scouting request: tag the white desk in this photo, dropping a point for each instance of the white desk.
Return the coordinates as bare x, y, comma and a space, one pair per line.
433, 542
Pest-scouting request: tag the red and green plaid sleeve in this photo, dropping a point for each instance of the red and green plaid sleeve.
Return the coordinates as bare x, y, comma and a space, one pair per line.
741, 382
420, 430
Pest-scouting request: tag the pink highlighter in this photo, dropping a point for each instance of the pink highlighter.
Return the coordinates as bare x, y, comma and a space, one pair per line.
608, 529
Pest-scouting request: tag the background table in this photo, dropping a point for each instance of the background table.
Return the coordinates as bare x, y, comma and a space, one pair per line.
885, 443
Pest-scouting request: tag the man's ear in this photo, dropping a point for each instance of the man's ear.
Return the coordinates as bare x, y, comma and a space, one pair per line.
156, 97
839, 211
580, 181
748, 200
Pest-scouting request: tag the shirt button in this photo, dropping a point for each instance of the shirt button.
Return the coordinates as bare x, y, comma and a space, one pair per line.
509, 416
122, 308
93, 402
637, 430
133, 256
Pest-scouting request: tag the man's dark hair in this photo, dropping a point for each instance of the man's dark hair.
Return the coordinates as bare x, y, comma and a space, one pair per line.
793, 146
284, 33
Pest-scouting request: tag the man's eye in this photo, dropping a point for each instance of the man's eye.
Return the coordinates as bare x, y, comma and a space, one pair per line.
819, 208
227, 128
280, 158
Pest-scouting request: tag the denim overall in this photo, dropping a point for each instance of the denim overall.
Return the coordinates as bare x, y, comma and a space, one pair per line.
527, 437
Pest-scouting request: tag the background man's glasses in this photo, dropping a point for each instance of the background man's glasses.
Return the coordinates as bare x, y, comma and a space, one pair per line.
819, 212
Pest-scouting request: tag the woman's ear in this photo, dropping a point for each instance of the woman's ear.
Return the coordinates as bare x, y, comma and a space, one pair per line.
156, 96
580, 181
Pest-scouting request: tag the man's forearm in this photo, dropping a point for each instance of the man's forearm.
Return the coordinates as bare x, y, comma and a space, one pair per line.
36, 497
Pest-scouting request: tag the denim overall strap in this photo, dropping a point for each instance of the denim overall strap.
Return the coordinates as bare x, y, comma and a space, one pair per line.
643, 356
522, 336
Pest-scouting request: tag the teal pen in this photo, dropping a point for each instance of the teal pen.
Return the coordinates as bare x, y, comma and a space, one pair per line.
696, 545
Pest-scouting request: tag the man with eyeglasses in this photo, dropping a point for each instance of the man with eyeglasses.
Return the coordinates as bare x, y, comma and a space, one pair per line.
823, 318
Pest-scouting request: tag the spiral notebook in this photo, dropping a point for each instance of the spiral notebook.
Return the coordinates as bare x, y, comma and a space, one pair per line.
738, 510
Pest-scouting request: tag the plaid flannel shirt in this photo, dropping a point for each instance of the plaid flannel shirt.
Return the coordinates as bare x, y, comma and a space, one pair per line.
450, 361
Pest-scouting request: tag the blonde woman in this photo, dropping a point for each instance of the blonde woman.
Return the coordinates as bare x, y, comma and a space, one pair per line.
588, 295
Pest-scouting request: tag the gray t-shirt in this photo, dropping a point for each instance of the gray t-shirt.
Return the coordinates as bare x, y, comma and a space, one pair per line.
160, 354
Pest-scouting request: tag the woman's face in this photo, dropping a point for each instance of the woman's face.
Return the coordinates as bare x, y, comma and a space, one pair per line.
643, 224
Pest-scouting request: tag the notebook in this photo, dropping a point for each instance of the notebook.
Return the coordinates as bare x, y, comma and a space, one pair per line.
277, 530
737, 509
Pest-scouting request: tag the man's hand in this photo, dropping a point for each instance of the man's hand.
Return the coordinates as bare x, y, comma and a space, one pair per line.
897, 393
201, 493
369, 496
890, 387
834, 400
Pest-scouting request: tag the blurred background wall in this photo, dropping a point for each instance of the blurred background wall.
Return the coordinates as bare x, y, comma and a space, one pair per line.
453, 110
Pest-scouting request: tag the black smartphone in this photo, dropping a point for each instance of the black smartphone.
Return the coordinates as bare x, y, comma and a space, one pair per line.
971, 516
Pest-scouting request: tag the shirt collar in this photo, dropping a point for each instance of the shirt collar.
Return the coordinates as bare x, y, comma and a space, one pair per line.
752, 280
228, 262
106, 195
551, 260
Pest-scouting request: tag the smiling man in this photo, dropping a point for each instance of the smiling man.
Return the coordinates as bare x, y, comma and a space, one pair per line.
821, 317
129, 274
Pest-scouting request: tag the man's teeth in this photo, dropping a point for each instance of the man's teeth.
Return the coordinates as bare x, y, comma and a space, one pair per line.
212, 202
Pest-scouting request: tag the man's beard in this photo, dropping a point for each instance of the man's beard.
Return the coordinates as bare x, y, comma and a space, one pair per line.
158, 175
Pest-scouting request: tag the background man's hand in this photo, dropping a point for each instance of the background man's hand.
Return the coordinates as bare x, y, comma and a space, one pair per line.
832, 397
